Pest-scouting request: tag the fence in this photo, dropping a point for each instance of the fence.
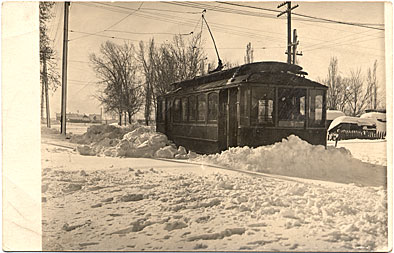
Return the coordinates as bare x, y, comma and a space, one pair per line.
357, 134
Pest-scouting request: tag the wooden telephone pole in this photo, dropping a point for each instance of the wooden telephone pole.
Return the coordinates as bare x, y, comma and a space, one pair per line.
294, 45
64, 70
289, 43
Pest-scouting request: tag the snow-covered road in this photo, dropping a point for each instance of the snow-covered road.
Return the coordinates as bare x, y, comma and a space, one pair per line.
109, 203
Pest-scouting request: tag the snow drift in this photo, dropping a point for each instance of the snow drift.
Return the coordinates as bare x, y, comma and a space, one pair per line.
351, 120
131, 141
97, 133
297, 158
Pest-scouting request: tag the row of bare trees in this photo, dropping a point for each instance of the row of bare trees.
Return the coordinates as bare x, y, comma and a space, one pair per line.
352, 94
131, 78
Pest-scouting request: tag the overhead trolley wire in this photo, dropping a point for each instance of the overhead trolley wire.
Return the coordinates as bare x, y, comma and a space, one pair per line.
341, 38
234, 11
101, 35
341, 43
110, 25
120, 31
195, 5
188, 22
185, 21
175, 20
370, 26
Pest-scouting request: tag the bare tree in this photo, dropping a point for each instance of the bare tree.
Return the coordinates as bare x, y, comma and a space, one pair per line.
372, 86
168, 63
358, 96
337, 94
229, 64
49, 75
147, 61
249, 53
116, 68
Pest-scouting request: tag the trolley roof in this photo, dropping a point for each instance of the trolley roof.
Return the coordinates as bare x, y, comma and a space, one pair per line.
259, 72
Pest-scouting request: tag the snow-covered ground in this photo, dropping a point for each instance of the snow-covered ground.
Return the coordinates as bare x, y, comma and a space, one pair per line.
370, 151
74, 128
110, 203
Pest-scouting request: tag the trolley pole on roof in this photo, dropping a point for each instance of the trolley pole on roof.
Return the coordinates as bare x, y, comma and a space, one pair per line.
64, 70
288, 11
220, 64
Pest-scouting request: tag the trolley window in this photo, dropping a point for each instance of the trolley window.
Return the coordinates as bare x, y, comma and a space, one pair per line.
168, 109
262, 106
192, 108
212, 106
184, 109
202, 107
163, 110
244, 105
291, 107
316, 103
177, 110
158, 115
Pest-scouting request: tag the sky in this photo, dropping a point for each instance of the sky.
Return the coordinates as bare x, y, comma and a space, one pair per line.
93, 23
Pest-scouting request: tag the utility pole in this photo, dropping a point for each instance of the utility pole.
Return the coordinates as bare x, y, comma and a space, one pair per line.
64, 70
42, 101
288, 11
45, 79
294, 45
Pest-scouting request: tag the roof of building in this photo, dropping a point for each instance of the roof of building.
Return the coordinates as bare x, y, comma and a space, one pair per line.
374, 115
350, 120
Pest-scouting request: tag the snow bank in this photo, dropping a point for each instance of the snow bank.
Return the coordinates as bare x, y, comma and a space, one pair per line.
131, 141
97, 133
297, 158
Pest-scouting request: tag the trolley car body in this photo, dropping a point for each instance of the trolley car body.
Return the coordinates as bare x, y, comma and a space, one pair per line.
251, 105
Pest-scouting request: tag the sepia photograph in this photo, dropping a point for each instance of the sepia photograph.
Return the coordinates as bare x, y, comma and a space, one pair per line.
210, 126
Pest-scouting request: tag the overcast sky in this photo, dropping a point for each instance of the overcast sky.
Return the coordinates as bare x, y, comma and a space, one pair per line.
232, 26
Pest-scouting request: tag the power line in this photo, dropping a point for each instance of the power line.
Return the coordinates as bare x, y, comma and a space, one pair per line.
78, 61
110, 25
171, 19
101, 35
336, 29
194, 5
147, 15
78, 81
83, 87
58, 25
312, 17
102, 7
252, 7
340, 22
119, 31
221, 9
331, 41
51, 27
198, 21
340, 44
218, 27
126, 16
153, 9
232, 11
